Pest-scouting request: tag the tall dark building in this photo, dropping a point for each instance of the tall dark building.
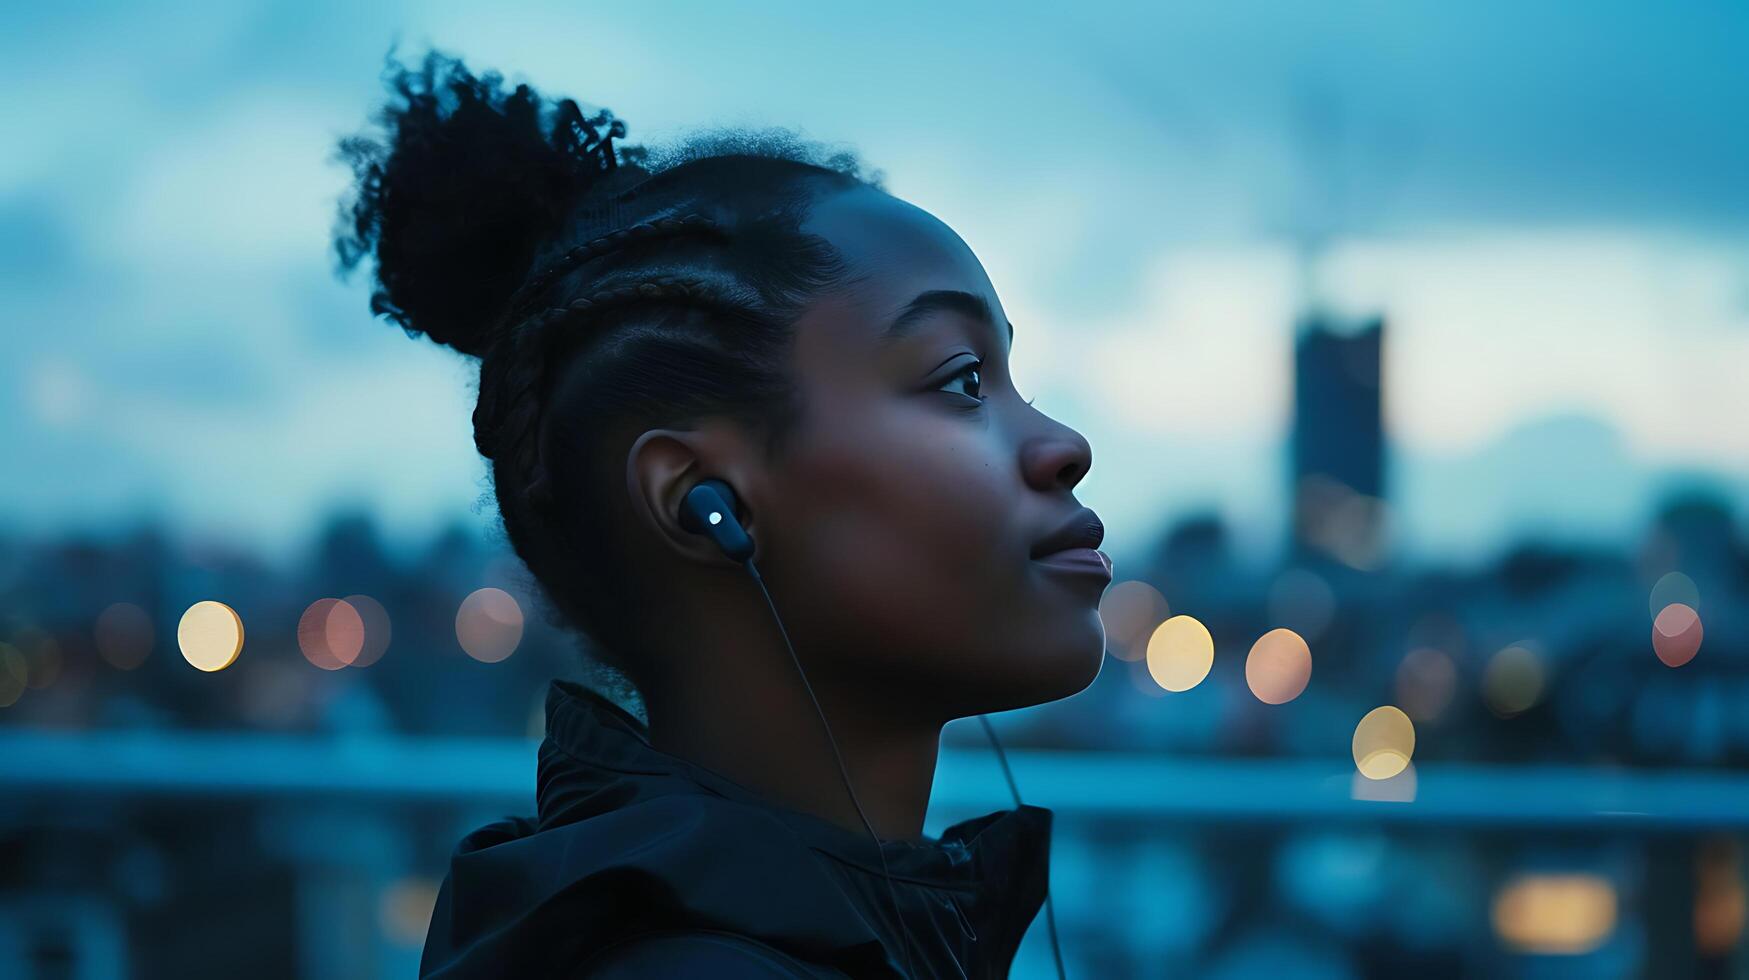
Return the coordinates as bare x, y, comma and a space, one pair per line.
1338, 441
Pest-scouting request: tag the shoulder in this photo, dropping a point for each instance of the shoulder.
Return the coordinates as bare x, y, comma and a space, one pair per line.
699, 953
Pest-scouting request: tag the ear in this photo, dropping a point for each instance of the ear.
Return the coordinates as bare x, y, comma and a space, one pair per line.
662, 465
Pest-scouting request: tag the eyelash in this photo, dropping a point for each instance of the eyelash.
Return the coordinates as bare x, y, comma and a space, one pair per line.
974, 367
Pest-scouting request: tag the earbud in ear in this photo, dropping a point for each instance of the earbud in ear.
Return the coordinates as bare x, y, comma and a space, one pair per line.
709, 509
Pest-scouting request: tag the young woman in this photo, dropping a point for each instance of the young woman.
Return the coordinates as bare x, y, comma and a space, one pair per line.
746, 308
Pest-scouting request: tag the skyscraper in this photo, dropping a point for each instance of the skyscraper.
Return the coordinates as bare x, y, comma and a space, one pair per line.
1338, 441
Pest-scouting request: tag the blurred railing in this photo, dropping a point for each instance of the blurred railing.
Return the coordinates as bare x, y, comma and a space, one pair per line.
336, 810
501, 770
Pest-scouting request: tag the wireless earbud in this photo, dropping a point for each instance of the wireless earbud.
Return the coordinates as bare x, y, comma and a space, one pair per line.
709, 509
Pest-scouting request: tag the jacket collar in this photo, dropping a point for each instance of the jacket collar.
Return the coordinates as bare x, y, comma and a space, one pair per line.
992, 869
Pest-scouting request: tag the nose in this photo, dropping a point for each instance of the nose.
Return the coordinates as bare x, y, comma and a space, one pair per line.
1055, 459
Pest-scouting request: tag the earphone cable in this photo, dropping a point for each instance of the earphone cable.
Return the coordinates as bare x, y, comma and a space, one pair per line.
843, 772
1008, 774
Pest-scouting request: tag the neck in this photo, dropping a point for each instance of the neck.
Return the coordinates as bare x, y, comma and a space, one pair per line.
768, 738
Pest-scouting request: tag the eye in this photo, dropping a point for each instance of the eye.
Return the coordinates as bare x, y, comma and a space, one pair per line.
968, 377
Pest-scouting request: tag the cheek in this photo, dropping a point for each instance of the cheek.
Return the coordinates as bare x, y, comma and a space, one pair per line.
909, 527
904, 551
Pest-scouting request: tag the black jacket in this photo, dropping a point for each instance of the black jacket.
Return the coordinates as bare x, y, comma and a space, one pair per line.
640, 863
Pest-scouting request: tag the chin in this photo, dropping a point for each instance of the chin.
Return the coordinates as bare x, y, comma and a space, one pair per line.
1080, 664
1061, 670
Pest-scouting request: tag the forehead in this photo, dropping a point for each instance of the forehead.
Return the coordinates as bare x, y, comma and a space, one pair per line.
894, 251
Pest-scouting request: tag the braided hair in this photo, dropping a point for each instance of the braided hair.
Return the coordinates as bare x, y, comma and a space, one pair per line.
604, 288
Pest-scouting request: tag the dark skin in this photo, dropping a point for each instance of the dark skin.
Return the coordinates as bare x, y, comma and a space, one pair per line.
896, 533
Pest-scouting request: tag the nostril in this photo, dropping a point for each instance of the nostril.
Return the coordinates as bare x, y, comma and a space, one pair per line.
1071, 473
1056, 462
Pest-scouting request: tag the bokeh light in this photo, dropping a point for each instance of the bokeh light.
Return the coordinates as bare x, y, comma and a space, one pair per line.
1180, 653
1130, 611
489, 625
210, 635
13, 674
1676, 634
1674, 587
404, 910
123, 633
1426, 680
1278, 667
375, 621
1384, 742
1560, 914
1720, 905
330, 633
1718, 918
1301, 599
1513, 680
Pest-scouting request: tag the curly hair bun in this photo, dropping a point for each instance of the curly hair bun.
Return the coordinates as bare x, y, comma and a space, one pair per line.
456, 199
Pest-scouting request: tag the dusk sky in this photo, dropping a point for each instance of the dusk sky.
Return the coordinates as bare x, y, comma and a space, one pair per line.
1550, 208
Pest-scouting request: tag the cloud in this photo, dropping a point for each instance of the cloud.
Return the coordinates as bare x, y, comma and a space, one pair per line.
1553, 229
1647, 331
243, 182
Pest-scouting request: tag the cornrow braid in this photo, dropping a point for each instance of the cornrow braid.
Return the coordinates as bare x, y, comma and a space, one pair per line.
644, 232
472, 201
508, 426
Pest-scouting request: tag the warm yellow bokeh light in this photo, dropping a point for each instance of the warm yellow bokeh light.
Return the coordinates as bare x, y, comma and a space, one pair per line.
1130, 611
1513, 680
1180, 653
210, 635
489, 625
1384, 742
123, 633
1561, 914
1278, 667
1676, 634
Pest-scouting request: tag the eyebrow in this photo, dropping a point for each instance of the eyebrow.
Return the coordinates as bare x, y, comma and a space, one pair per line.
939, 300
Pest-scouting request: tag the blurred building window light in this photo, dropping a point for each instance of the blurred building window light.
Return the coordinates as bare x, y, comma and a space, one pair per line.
1564, 914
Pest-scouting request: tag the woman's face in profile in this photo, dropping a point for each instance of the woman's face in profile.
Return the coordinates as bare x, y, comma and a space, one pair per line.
920, 487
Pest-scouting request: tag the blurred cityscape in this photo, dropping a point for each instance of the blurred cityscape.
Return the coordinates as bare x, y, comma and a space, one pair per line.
1334, 763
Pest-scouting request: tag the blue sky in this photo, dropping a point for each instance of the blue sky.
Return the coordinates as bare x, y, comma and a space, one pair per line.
1549, 204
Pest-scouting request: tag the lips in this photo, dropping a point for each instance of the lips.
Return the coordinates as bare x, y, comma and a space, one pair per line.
1083, 529
1073, 548
1081, 561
